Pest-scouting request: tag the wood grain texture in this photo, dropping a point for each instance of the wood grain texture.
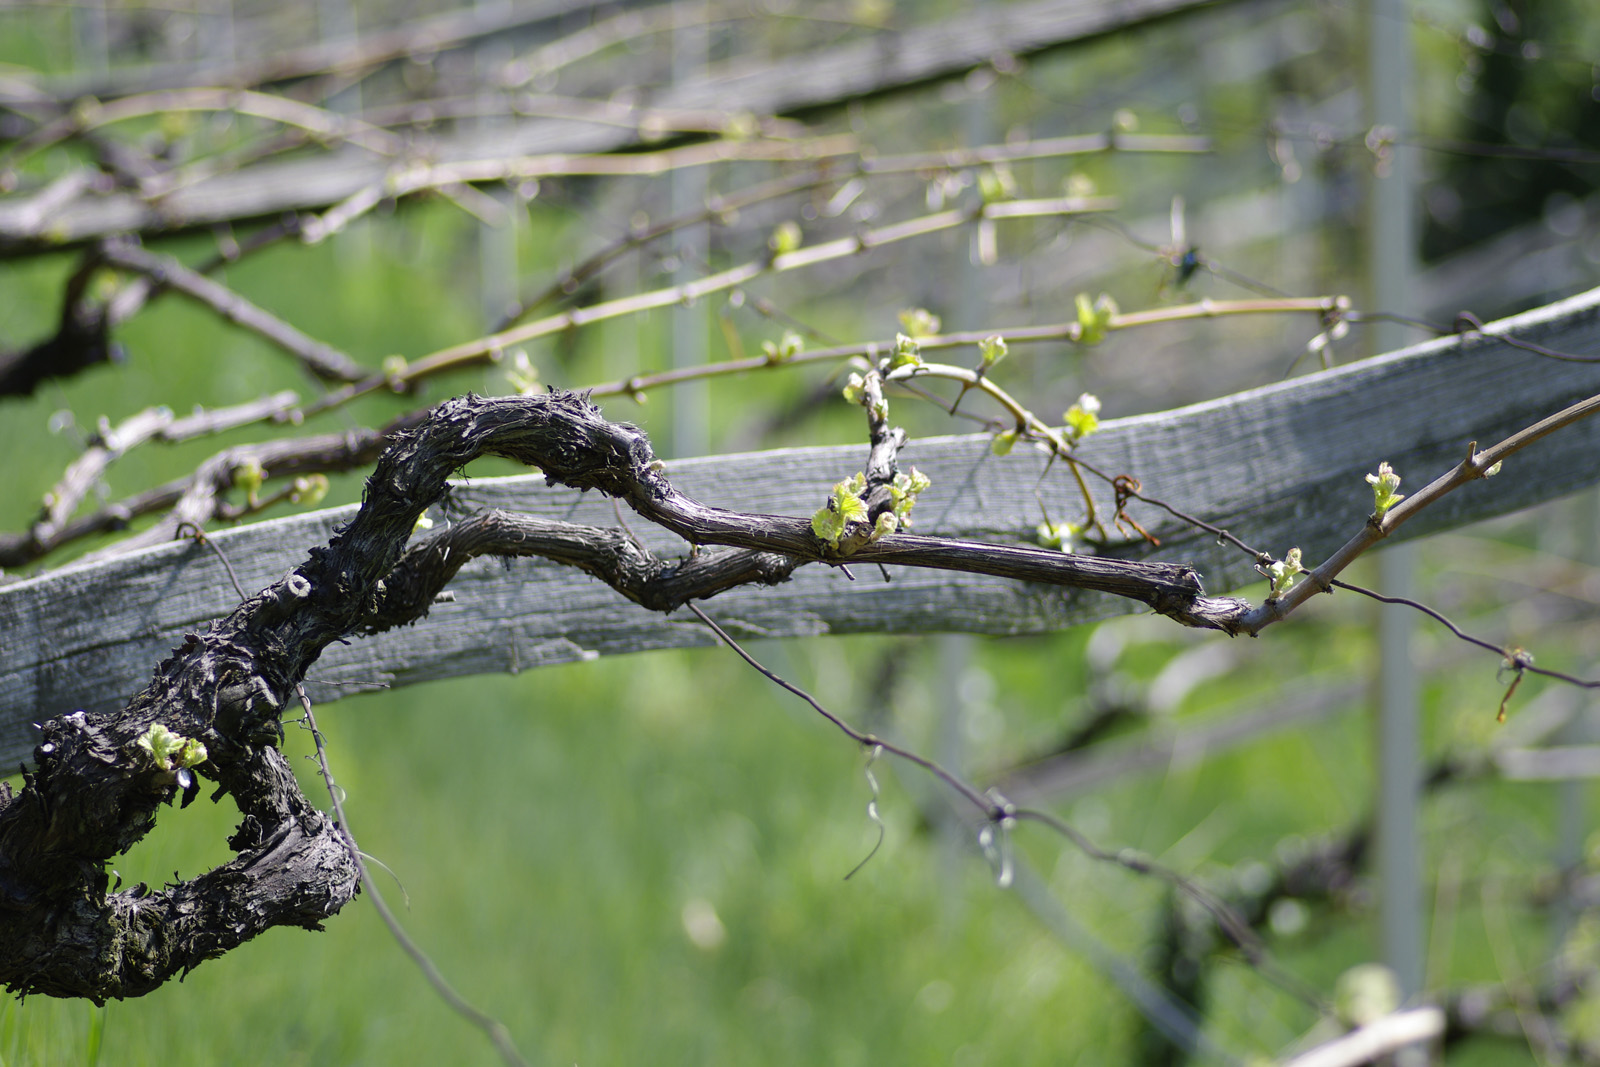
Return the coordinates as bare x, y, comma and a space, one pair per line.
1279, 466
823, 78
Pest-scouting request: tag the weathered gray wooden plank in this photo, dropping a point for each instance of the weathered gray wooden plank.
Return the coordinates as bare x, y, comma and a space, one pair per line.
419, 36
816, 79
1280, 466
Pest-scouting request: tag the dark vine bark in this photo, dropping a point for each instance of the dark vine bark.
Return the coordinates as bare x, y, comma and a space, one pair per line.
82, 340
95, 792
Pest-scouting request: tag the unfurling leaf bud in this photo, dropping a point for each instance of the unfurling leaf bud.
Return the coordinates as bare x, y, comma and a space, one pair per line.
992, 349
786, 238
1384, 484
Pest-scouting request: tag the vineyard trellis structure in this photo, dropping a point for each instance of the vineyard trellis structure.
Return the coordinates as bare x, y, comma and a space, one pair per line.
433, 579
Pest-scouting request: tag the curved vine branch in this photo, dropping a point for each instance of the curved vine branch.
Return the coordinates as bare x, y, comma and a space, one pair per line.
100, 780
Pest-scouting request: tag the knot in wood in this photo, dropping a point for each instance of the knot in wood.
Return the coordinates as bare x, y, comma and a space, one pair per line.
247, 711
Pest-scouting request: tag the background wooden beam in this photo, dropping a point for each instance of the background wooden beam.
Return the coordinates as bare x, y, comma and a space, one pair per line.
1280, 466
821, 78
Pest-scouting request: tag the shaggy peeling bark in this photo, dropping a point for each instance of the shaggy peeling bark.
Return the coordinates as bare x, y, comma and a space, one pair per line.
96, 791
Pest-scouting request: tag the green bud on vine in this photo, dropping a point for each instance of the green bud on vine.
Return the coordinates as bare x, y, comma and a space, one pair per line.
1079, 184
992, 350
903, 494
786, 238
852, 388
1058, 535
996, 184
872, 12
1366, 993
248, 476
787, 347
828, 525
1094, 318
740, 126
907, 352
919, 322
1082, 418
169, 750
844, 506
309, 491
1384, 484
522, 375
1284, 573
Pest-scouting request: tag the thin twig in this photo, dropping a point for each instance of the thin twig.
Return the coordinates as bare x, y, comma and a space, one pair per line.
1466, 322
568, 281
422, 177
129, 299
493, 1028
57, 528
1476, 465
1466, 325
1174, 256
996, 810
653, 123
1502, 945
280, 109
830, 172
1516, 659
190, 530
549, 58
640, 384
1369, 1043
344, 55
83, 473
321, 359
486, 349
1138, 493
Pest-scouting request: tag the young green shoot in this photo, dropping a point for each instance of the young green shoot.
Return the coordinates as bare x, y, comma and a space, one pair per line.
1082, 418
1384, 484
171, 751
1284, 573
844, 506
